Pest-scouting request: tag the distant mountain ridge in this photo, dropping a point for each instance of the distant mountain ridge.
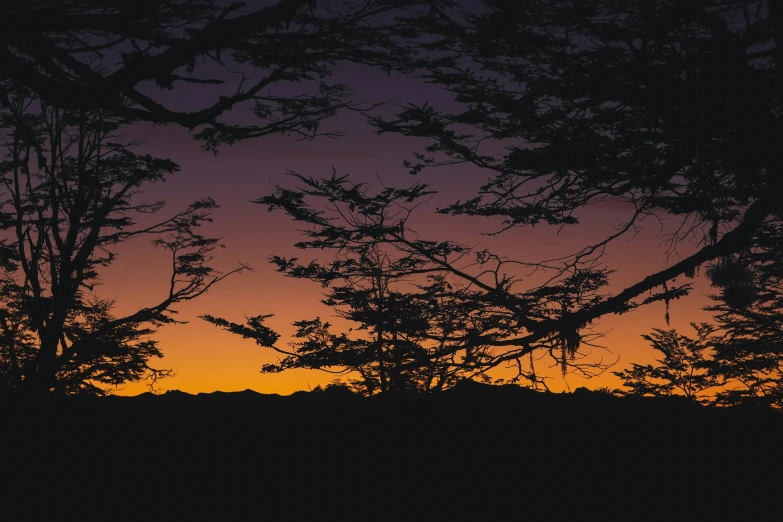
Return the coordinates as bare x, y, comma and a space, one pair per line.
468, 396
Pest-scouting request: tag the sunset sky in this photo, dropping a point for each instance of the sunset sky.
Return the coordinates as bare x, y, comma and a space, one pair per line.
206, 358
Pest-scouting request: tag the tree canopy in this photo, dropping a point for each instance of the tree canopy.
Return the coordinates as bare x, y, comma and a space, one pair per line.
442, 303
70, 194
749, 310
672, 109
684, 368
72, 74
273, 57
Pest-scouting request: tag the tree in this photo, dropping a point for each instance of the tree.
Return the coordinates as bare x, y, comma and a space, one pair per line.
406, 311
673, 108
403, 351
742, 355
407, 324
684, 369
434, 311
275, 57
749, 309
70, 195
745, 346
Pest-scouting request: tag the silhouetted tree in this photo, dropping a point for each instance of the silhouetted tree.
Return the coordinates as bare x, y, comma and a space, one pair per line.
673, 108
741, 357
275, 57
749, 310
406, 325
70, 195
406, 313
400, 344
435, 311
684, 368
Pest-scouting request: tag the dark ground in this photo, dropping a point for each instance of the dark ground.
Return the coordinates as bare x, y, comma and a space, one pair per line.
477, 452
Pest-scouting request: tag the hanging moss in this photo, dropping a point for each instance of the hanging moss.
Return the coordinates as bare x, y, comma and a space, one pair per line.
570, 340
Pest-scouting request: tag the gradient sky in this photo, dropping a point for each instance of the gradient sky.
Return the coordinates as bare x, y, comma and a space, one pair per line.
206, 358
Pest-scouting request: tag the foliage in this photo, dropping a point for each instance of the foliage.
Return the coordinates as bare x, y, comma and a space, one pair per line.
669, 109
406, 347
70, 195
665, 108
416, 332
745, 362
275, 58
434, 311
573, 105
683, 369
749, 308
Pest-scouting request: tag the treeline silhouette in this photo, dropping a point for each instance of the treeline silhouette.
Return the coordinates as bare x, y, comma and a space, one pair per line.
467, 398
672, 110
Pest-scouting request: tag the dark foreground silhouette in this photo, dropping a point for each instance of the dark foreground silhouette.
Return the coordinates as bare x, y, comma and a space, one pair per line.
467, 398
476, 452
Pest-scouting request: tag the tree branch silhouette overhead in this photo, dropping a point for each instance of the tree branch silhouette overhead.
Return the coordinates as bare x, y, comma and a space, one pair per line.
673, 109
107, 54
